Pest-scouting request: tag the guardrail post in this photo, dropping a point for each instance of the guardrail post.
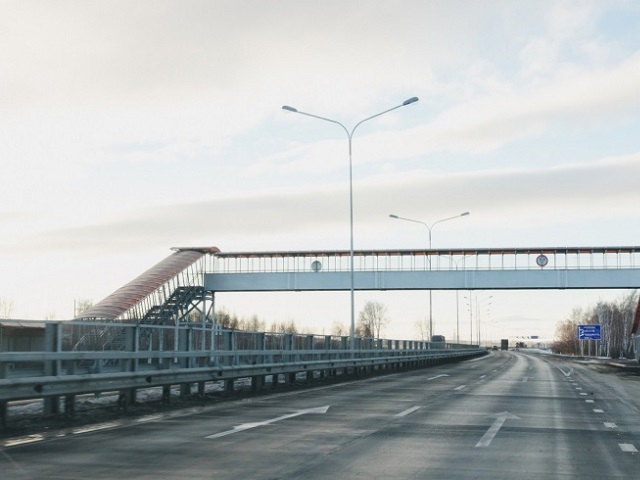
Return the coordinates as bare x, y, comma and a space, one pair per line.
131, 344
69, 406
4, 373
52, 343
228, 359
344, 349
287, 346
184, 343
327, 355
257, 381
227, 347
309, 356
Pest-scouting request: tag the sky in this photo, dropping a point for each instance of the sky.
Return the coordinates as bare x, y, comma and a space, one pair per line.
128, 128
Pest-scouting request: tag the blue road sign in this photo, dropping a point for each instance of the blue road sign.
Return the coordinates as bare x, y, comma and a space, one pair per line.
590, 332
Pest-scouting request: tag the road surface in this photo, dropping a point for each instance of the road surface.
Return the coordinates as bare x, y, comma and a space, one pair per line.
505, 416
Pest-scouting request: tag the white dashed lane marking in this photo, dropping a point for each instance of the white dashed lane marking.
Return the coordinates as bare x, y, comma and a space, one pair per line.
628, 447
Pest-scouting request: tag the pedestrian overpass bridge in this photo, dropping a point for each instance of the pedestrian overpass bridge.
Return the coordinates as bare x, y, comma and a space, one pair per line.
483, 269
186, 281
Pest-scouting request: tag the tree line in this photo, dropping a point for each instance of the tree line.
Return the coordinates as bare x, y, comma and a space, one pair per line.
371, 321
616, 318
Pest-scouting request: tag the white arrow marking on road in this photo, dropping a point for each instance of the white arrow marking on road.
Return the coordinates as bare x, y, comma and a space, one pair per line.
247, 426
566, 374
485, 441
437, 376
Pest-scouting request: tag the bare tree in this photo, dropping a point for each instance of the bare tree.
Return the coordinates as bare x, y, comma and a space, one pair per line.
284, 327
6, 308
339, 330
422, 327
253, 324
372, 319
566, 338
81, 306
227, 321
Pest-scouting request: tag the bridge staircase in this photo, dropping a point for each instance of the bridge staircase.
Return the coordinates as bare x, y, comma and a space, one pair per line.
182, 301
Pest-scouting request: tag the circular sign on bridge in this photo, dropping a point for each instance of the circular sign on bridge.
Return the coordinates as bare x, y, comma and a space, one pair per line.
542, 260
316, 266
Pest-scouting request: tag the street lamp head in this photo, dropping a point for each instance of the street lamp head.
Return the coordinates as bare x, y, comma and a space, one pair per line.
410, 101
393, 216
289, 109
464, 214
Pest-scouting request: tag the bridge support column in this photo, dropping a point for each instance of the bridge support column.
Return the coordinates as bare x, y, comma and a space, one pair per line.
274, 380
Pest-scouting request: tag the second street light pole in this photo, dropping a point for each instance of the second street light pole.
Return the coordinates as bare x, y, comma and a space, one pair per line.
350, 137
429, 228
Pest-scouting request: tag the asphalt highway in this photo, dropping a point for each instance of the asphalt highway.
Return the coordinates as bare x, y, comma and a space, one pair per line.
509, 415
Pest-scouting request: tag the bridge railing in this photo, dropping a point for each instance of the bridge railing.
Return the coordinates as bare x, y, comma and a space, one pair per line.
143, 356
422, 260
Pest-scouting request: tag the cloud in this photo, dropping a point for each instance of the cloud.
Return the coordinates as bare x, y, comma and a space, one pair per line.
530, 196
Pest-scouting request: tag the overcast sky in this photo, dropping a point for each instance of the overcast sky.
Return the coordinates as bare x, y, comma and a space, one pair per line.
127, 128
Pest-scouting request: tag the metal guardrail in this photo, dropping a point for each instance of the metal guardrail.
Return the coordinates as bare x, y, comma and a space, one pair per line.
149, 356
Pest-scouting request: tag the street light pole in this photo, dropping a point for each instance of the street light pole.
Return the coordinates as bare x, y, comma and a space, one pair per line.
429, 228
478, 303
350, 138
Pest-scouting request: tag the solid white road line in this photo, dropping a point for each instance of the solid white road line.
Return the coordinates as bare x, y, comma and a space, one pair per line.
437, 376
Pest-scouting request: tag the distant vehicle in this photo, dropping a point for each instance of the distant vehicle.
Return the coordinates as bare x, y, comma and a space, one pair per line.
495, 347
437, 339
